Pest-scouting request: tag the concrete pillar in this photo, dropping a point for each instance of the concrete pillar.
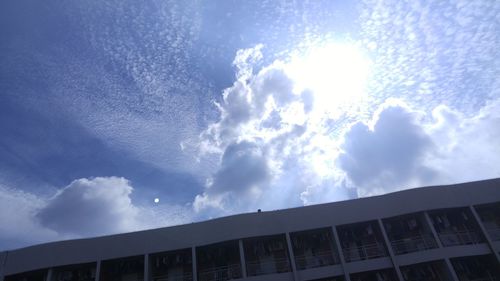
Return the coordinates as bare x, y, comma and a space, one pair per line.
450, 268
242, 259
341, 254
147, 276
292, 256
433, 230
391, 252
49, 275
98, 271
485, 232
193, 259
3, 264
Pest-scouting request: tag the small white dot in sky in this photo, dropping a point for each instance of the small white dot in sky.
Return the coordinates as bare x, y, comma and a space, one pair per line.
157, 200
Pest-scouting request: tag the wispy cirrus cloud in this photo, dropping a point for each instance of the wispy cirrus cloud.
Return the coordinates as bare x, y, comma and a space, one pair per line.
430, 53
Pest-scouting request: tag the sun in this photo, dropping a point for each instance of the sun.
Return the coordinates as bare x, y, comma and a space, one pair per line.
336, 73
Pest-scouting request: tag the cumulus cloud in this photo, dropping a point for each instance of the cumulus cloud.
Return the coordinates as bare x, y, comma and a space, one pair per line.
86, 207
17, 223
402, 148
91, 206
468, 146
278, 145
267, 138
389, 152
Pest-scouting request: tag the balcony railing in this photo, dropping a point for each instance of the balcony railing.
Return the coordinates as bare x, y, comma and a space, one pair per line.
436, 278
222, 273
267, 267
319, 259
494, 233
460, 238
180, 277
413, 244
364, 252
489, 278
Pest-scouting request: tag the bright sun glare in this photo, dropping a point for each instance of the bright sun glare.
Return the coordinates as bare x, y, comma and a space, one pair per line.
336, 74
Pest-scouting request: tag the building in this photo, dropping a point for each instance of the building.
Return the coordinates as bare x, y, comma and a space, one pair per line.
434, 233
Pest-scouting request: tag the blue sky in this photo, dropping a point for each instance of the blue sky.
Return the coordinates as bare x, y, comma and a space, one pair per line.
223, 107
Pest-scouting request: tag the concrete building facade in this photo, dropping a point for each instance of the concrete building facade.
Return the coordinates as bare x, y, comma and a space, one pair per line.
435, 233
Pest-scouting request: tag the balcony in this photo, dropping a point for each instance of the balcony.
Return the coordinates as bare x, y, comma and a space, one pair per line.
219, 262
364, 252
429, 271
316, 260
476, 268
77, 272
409, 233
172, 266
362, 241
336, 278
494, 233
221, 273
124, 269
180, 277
414, 244
376, 275
314, 248
490, 217
37, 275
273, 266
464, 237
266, 255
456, 227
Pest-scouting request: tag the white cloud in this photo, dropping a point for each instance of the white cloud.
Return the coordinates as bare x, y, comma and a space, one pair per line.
271, 142
389, 153
468, 147
403, 148
90, 207
84, 208
433, 52
278, 146
17, 223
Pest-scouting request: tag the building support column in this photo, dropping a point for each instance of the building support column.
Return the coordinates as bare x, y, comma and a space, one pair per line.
451, 270
98, 271
433, 230
49, 275
447, 261
3, 264
485, 233
347, 277
388, 245
193, 260
242, 259
292, 257
147, 276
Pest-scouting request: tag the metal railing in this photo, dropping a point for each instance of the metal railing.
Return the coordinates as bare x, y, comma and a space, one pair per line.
221, 273
318, 259
414, 244
488, 278
494, 233
268, 267
464, 237
188, 276
364, 252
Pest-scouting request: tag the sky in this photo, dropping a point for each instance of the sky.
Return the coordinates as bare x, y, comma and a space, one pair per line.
123, 115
